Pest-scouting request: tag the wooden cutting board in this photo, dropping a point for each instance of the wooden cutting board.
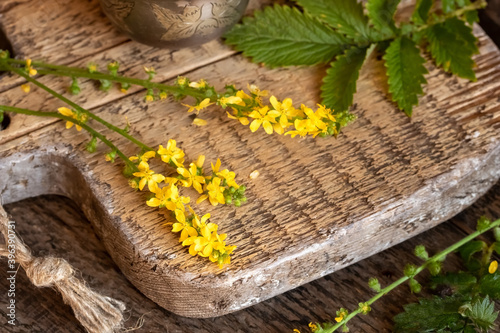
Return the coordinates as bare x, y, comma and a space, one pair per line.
318, 204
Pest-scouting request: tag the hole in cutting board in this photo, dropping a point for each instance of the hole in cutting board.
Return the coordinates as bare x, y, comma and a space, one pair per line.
5, 122
5, 45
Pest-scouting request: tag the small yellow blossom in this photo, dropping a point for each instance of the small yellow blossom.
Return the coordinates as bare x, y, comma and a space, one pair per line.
181, 81
256, 91
264, 117
224, 101
283, 108
77, 116
92, 67
198, 85
25, 87
302, 127
215, 193
296, 330
144, 157
31, 71
313, 327
493, 267
199, 122
191, 177
163, 95
149, 98
202, 105
148, 177
171, 153
169, 198
149, 69
182, 226
229, 177
243, 120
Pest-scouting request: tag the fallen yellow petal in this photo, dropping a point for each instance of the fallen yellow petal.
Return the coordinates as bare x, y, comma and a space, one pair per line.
199, 122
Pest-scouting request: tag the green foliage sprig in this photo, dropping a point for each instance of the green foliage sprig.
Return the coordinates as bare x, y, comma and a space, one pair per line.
468, 309
320, 31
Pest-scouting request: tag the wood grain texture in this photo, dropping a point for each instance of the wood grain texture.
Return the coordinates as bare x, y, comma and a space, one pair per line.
319, 204
55, 226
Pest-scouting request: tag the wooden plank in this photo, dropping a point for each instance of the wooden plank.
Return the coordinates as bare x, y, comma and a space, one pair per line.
54, 225
131, 55
318, 205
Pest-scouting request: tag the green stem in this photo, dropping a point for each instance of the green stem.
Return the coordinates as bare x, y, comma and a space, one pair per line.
77, 122
438, 257
459, 12
67, 71
120, 131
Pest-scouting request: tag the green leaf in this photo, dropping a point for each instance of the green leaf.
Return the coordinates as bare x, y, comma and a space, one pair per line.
467, 250
472, 17
483, 314
448, 5
406, 71
452, 45
460, 281
430, 315
381, 14
283, 36
496, 247
339, 84
490, 285
421, 12
344, 15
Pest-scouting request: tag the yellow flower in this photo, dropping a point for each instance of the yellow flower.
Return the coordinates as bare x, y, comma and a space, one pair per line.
191, 177
183, 226
215, 193
224, 101
163, 95
199, 122
149, 70
243, 120
31, 71
256, 91
197, 222
148, 177
302, 127
265, 117
200, 161
284, 108
216, 167
198, 85
208, 239
149, 98
181, 81
92, 67
123, 90
190, 241
70, 113
25, 87
144, 157
313, 327
169, 198
203, 104
171, 153
493, 267
229, 177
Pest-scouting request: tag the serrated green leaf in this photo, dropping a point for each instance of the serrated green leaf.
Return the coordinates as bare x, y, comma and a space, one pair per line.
283, 36
405, 71
472, 17
452, 45
344, 15
467, 250
490, 285
430, 315
482, 313
460, 281
448, 5
339, 84
381, 14
421, 12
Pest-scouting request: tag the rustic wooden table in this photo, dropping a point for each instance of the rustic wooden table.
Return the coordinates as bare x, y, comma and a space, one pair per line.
318, 206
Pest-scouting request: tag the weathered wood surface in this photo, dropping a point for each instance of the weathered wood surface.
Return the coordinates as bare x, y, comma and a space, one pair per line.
319, 205
55, 226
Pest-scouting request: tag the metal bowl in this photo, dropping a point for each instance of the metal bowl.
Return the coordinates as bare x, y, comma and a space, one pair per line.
174, 23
